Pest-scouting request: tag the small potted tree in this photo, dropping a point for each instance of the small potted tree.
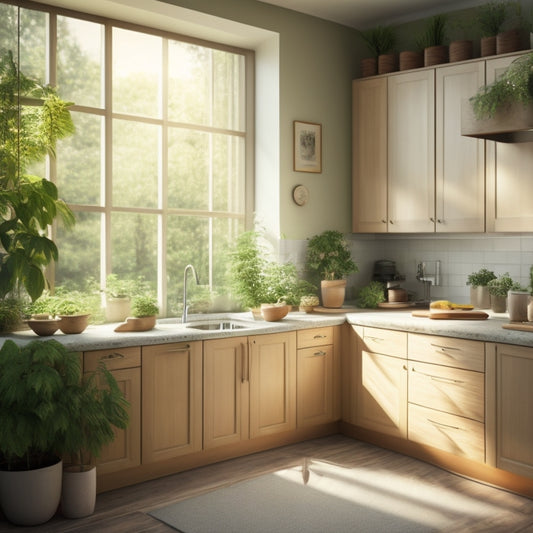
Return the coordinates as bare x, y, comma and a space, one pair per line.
479, 292
329, 259
98, 406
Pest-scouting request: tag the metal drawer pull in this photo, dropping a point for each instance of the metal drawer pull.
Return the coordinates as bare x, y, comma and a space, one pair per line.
445, 348
319, 353
319, 336
435, 423
114, 355
375, 339
438, 378
185, 348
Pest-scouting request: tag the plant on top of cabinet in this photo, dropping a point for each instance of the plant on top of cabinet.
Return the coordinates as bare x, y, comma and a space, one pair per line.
490, 17
329, 259
432, 41
515, 85
479, 292
380, 41
33, 119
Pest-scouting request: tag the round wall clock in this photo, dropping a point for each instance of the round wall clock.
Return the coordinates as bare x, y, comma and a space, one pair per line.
300, 195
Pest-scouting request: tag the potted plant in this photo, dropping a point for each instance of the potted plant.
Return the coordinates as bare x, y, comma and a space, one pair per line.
308, 303
380, 41
144, 309
490, 17
33, 119
479, 292
98, 407
498, 289
118, 294
38, 383
11, 314
329, 259
371, 295
432, 41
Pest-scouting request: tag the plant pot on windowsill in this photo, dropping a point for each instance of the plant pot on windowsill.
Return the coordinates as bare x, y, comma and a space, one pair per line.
73, 324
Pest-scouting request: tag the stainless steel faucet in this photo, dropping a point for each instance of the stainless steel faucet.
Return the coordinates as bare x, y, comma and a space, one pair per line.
185, 306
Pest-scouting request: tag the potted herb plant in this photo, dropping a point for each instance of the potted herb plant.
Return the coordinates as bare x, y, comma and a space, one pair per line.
371, 295
33, 119
380, 41
38, 386
98, 407
432, 41
490, 17
498, 289
11, 314
329, 259
144, 309
479, 292
118, 292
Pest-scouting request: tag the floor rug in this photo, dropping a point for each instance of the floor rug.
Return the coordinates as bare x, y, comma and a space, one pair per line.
323, 497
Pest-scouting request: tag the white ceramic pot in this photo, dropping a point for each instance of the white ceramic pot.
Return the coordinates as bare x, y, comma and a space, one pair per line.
78, 495
517, 302
31, 497
117, 309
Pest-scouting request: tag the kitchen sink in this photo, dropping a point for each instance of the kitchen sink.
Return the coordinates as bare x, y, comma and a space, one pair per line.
218, 325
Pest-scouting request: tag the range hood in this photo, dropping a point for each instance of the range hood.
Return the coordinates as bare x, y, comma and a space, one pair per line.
511, 124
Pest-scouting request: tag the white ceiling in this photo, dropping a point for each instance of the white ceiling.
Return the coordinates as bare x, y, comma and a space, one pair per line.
364, 14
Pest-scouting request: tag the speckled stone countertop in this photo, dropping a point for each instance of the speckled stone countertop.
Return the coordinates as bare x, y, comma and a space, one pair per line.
169, 330
489, 330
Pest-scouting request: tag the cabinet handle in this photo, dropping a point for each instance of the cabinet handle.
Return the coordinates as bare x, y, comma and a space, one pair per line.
445, 349
375, 339
384, 221
391, 222
439, 221
244, 364
114, 355
435, 423
319, 336
185, 348
432, 220
320, 353
438, 378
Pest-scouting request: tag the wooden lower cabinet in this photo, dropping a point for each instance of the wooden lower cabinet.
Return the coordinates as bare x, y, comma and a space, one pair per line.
226, 391
125, 366
171, 400
512, 408
272, 373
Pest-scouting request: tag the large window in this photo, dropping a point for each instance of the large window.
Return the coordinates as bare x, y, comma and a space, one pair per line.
156, 170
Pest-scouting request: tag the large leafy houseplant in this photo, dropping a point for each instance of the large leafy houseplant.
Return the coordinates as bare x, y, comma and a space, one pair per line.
32, 119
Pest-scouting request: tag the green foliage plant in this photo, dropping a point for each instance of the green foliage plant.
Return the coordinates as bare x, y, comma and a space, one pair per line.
11, 314
380, 40
28, 204
38, 387
328, 256
491, 17
480, 278
371, 295
99, 405
117, 287
434, 34
515, 85
144, 305
63, 302
282, 284
502, 285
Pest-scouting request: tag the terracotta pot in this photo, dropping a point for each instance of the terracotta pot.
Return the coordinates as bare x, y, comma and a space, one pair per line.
369, 67
480, 297
73, 324
31, 497
333, 293
435, 55
387, 63
78, 494
461, 50
488, 46
44, 326
410, 59
274, 312
142, 323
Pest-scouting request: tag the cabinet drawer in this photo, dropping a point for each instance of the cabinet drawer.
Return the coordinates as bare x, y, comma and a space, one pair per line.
314, 337
450, 433
114, 359
448, 351
452, 390
385, 341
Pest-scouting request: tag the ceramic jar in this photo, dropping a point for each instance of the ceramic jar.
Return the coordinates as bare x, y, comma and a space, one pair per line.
517, 304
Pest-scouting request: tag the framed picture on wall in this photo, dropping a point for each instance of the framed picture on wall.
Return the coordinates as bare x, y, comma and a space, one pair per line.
307, 147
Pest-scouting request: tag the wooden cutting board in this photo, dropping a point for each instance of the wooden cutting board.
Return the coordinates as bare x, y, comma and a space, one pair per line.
518, 326
452, 314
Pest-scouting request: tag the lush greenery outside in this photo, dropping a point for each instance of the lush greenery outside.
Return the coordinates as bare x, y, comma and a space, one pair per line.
155, 170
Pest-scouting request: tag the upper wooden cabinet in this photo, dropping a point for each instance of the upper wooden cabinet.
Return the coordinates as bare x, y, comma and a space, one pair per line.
509, 182
459, 161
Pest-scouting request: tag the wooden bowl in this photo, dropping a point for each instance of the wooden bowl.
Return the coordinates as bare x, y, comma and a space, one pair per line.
73, 324
274, 312
44, 327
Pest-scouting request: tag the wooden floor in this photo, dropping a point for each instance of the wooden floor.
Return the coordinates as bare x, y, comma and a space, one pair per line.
125, 510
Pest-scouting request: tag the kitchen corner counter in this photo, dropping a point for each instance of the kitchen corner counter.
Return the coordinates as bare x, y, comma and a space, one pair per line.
489, 330
169, 330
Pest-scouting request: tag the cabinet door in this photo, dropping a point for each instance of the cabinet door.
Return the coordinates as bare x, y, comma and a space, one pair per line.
315, 385
460, 161
381, 402
411, 152
171, 400
369, 187
509, 183
225, 391
125, 450
514, 408
272, 383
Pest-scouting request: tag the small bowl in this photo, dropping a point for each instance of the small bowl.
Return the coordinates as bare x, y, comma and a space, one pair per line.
44, 327
274, 312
